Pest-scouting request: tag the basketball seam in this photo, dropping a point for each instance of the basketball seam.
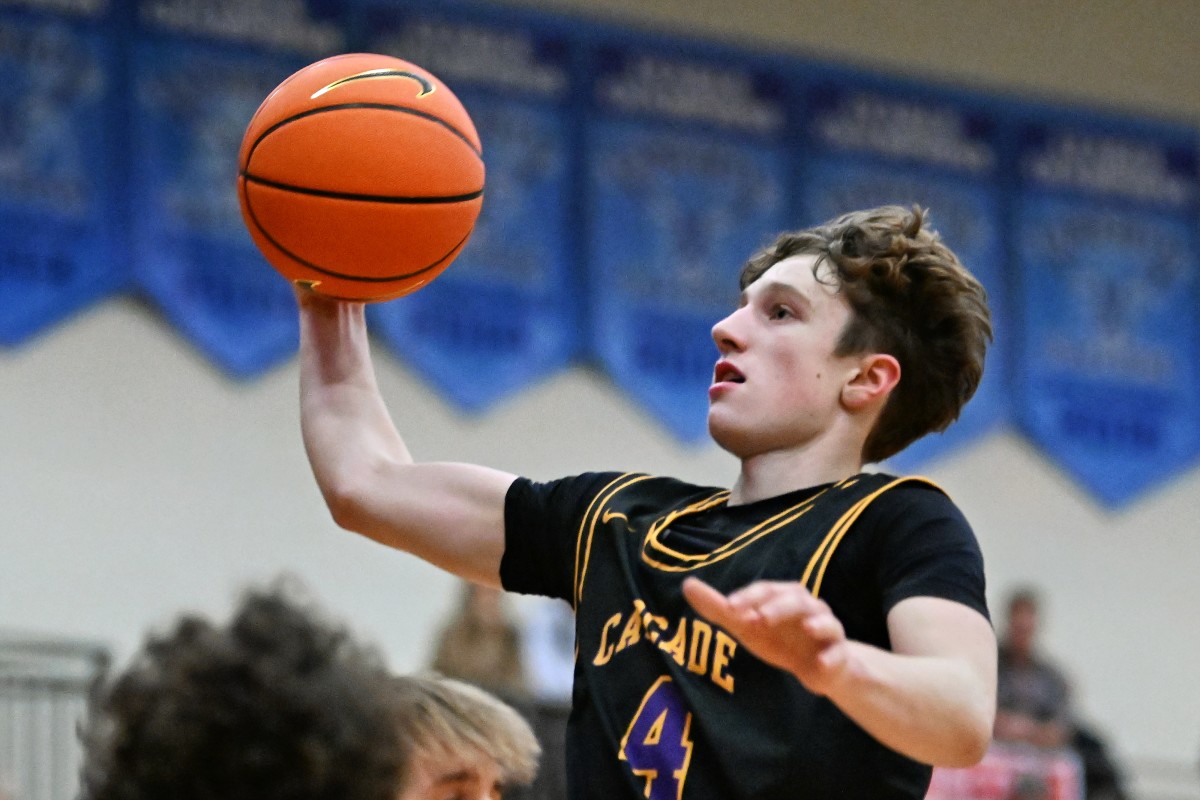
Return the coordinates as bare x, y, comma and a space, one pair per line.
369, 198
355, 278
377, 106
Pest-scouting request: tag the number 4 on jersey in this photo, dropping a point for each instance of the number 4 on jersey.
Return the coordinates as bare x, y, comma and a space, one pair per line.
657, 745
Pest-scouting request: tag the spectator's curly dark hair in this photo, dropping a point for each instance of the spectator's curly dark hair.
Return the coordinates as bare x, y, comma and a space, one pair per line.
277, 705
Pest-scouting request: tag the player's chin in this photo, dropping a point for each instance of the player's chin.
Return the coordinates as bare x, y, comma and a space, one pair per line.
728, 435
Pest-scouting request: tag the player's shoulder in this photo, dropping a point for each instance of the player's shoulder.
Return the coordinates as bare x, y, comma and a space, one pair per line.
631, 487
644, 486
891, 482
907, 487
911, 497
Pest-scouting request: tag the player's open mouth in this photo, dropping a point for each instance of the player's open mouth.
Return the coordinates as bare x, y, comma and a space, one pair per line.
725, 372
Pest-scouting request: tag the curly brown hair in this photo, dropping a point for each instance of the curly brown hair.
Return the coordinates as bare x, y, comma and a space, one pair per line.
277, 705
911, 298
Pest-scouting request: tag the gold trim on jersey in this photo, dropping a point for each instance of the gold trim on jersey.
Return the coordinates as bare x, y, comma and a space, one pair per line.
662, 523
594, 510
824, 551
598, 512
742, 540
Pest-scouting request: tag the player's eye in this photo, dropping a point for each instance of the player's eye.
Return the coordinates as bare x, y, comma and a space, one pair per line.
780, 312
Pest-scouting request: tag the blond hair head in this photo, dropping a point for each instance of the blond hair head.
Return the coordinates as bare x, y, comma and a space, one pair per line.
438, 715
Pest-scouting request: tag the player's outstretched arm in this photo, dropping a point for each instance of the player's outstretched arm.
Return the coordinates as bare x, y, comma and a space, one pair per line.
932, 697
451, 515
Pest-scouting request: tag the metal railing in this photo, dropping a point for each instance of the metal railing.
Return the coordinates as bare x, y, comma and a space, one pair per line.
44, 689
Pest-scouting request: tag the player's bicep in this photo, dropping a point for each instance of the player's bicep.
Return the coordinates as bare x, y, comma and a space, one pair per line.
940, 628
451, 515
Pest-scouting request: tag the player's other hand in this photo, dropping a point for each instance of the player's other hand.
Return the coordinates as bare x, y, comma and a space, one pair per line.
782, 624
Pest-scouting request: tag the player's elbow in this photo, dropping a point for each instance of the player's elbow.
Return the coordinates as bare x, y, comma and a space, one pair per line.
346, 497
971, 740
345, 507
971, 748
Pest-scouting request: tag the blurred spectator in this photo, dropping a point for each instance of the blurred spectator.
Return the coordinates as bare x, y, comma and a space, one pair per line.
549, 646
481, 644
1030, 787
462, 742
281, 705
1034, 702
275, 705
548, 639
1033, 697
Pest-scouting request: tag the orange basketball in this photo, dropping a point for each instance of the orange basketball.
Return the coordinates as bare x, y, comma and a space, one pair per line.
362, 176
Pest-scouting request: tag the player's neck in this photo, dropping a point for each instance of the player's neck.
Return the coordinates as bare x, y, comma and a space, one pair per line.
778, 472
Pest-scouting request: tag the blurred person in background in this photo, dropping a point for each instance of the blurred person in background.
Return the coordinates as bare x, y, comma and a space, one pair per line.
548, 641
1033, 698
277, 703
463, 743
481, 644
281, 704
1033, 704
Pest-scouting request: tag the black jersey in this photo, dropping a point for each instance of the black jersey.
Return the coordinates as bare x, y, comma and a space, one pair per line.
669, 706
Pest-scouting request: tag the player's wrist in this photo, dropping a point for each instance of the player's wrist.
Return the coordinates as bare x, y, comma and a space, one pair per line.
841, 674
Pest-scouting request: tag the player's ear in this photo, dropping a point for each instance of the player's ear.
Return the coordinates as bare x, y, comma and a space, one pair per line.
872, 381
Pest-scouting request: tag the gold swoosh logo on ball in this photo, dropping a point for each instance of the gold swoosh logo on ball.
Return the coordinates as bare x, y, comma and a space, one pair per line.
426, 85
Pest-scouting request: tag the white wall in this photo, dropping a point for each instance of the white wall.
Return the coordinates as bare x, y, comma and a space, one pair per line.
1139, 56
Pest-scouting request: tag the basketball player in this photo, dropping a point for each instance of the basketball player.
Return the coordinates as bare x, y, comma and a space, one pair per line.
282, 705
812, 631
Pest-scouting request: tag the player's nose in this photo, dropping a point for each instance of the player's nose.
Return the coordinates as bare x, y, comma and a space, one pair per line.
728, 333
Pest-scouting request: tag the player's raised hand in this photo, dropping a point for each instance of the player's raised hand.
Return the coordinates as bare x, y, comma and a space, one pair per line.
780, 623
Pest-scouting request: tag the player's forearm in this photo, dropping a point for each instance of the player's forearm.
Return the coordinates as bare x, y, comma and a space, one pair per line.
348, 434
451, 515
933, 709
349, 444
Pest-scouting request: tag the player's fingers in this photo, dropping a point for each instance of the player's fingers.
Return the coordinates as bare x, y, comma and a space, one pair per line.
307, 298
706, 600
824, 627
755, 594
832, 659
782, 606
793, 597
303, 291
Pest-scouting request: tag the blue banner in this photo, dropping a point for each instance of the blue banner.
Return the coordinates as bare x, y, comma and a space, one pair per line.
629, 176
872, 145
198, 77
60, 173
683, 190
506, 312
1108, 260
